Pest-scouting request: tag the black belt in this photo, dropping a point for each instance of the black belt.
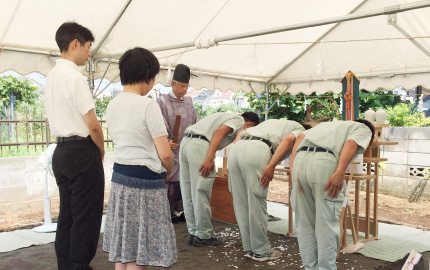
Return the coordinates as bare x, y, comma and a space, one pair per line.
316, 149
253, 138
196, 136
72, 138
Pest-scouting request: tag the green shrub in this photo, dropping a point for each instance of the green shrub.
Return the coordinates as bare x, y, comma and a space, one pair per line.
220, 108
402, 115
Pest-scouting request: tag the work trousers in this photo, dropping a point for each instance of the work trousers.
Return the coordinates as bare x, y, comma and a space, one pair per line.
246, 162
78, 170
316, 214
196, 190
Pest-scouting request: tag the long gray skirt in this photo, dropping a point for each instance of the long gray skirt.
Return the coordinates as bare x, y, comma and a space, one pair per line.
138, 227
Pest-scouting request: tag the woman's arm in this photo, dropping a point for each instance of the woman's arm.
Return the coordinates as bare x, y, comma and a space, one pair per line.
164, 153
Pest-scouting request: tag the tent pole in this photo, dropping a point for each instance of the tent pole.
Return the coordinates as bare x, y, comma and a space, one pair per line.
124, 8
106, 86
101, 80
404, 33
91, 76
202, 72
267, 103
349, 17
337, 77
97, 48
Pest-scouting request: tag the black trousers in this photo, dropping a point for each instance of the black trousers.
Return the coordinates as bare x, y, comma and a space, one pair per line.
78, 170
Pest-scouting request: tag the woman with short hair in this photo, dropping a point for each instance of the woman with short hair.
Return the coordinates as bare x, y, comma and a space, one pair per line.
138, 231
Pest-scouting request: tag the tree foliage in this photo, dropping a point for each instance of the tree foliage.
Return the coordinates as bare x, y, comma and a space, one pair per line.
291, 107
402, 115
280, 106
326, 105
101, 105
213, 109
24, 90
378, 99
321, 105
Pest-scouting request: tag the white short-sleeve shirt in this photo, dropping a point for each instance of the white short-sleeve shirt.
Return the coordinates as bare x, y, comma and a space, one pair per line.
133, 121
67, 99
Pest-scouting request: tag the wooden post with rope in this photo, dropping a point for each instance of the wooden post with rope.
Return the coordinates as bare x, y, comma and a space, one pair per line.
350, 102
350, 96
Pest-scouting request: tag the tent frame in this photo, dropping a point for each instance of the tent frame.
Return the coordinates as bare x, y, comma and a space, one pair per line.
390, 11
350, 17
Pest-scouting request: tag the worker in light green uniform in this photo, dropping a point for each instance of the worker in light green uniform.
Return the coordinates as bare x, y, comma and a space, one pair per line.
250, 170
197, 174
318, 163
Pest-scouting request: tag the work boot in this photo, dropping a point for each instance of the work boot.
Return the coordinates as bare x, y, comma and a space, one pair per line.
274, 254
190, 239
212, 242
249, 254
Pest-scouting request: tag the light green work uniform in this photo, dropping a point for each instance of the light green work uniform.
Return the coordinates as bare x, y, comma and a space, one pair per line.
316, 214
246, 162
196, 190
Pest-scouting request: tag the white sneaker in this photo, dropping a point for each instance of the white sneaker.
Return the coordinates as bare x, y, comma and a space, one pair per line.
275, 254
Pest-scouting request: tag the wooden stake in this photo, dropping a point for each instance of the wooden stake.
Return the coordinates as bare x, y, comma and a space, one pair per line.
343, 220
177, 127
290, 209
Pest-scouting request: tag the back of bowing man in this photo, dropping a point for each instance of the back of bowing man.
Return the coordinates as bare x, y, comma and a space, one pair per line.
197, 175
251, 165
318, 163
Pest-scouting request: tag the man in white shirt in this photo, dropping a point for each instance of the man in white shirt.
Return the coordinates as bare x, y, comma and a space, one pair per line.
77, 160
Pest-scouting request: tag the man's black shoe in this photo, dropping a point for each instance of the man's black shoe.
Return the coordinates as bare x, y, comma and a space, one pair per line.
190, 239
181, 217
174, 218
212, 242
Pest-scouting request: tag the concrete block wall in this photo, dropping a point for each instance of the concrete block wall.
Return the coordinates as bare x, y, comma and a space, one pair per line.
22, 184
412, 153
22, 180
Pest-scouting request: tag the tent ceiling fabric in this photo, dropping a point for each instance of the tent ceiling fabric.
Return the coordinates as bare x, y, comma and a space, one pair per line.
27, 41
376, 63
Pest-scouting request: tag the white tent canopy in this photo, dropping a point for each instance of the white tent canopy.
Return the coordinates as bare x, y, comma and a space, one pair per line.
388, 46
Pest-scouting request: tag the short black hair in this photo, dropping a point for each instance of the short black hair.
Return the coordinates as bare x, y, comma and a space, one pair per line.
251, 117
306, 126
70, 31
369, 125
138, 65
